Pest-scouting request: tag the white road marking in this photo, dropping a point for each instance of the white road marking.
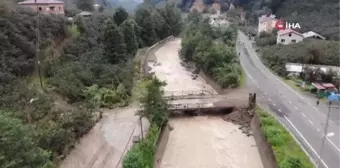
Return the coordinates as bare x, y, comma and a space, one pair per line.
295, 92
311, 122
280, 110
304, 139
270, 100
303, 114
296, 108
274, 75
318, 129
290, 102
274, 104
333, 144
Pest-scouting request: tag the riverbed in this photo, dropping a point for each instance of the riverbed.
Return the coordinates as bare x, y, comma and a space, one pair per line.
199, 142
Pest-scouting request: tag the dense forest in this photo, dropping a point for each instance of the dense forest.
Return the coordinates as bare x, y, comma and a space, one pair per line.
89, 66
212, 50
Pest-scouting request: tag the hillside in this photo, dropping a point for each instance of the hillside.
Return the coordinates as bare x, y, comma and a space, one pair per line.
317, 15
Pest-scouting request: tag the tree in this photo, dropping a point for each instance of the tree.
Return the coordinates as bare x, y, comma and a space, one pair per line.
162, 28
120, 15
172, 16
131, 40
145, 21
154, 105
85, 5
194, 16
18, 148
114, 44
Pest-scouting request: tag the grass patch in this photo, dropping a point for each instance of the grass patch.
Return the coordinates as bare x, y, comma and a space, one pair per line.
287, 152
73, 29
292, 84
142, 154
243, 78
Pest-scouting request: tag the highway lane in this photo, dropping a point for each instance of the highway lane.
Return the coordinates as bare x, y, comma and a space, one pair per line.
297, 112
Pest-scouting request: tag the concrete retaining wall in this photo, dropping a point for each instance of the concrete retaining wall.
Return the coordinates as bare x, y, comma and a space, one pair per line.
144, 68
161, 145
149, 54
265, 150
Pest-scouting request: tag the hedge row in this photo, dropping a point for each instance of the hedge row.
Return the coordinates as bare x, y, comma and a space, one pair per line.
287, 152
141, 155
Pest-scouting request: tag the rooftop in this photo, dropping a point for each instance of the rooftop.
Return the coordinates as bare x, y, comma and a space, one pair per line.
286, 31
41, 2
312, 34
84, 13
264, 18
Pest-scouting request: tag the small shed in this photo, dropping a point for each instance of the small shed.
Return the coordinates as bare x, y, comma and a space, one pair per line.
329, 87
84, 14
319, 90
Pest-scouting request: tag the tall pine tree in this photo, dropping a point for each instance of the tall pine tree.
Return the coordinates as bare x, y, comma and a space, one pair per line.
114, 43
145, 21
131, 40
120, 15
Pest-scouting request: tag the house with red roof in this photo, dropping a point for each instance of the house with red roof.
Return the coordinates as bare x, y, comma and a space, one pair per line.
45, 6
288, 36
266, 24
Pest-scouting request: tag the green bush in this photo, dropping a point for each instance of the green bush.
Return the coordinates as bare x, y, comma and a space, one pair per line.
286, 150
142, 154
218, 60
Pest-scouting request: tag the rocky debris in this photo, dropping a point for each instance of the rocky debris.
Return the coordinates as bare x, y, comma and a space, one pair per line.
194, 76
245, 128
156, 64
240, 117
170, 127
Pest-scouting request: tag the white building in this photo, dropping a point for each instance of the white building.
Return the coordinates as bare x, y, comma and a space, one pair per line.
288, 36
266, 23
218, 20
312, 34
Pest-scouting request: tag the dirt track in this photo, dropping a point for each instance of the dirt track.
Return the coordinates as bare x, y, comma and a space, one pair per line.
105, 144
200, 142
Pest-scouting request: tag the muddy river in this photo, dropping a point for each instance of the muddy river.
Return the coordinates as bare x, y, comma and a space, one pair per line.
200, 142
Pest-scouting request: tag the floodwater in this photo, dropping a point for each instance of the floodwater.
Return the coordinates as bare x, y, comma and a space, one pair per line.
200, 142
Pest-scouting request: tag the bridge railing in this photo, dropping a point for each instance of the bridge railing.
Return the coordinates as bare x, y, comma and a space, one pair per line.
188, 94
189, 105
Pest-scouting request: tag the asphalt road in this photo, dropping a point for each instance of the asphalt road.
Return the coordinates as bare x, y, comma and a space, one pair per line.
295, 110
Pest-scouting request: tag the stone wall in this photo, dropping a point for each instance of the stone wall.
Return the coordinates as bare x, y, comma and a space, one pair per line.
265, 150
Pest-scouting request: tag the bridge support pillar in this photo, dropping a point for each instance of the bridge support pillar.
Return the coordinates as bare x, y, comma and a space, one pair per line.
252, 101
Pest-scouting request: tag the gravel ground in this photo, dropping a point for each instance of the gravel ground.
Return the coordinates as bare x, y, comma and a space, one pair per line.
200, 142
